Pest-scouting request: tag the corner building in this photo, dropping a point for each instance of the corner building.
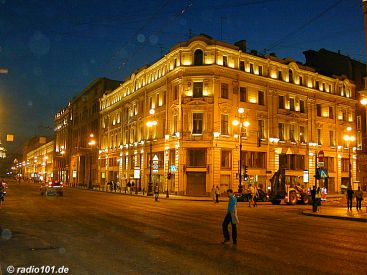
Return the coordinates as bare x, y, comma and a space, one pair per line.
291, 113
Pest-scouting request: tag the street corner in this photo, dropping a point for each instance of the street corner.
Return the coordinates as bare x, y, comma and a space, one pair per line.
338, 213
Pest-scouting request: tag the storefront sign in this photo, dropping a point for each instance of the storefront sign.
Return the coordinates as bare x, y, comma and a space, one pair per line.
137, 173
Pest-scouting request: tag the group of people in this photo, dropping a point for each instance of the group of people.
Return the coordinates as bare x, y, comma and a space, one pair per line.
358, 195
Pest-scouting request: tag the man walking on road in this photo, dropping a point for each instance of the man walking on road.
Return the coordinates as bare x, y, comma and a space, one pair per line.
231, 217
359, 198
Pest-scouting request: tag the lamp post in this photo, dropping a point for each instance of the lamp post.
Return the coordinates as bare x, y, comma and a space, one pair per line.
150, 124
349, 138
241, 124
91, 143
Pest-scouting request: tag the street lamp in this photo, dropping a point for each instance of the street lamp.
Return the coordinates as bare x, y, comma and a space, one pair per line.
348, 139
92, 142
241, 124
150, 124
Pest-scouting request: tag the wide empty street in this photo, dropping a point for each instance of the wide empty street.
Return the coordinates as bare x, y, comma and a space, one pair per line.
93, 232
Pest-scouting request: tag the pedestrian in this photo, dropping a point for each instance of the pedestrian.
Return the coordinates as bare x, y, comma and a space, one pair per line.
217, 193
318, 199
250, 195
231, 217
212, 194
118, 186
313, 197
128, 187
114, 186
350, 194
156, 192
132, 187
359, 198
255, 195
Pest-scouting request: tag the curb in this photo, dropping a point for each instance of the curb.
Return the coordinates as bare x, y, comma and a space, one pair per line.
334, 217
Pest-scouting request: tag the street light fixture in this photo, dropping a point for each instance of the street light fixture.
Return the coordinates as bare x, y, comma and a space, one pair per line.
241, 124
92, 142
349, 139
150, 124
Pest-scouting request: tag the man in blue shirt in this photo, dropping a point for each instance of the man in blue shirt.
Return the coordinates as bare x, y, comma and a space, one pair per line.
231, 217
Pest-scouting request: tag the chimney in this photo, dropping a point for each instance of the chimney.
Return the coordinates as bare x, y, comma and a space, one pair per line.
253, 52
241, 45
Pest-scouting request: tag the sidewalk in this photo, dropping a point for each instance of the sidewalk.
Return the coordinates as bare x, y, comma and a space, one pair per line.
340, 213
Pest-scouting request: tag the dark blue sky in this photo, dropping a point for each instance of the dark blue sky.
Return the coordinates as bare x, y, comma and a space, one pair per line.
54, 49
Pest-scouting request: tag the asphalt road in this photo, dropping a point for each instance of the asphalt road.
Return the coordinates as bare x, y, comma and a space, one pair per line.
104, 233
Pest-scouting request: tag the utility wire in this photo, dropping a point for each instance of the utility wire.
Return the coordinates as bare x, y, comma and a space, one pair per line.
303, 26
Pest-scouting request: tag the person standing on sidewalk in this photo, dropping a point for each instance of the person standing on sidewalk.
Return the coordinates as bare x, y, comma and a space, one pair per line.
350, 194
231, 217
217, 193
250, 195
255, 195
213, 194
313, 197
359, 198
156, 192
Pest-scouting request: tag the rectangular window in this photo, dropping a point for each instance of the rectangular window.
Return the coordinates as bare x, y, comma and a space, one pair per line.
196, 157
317, 85
302, 106
157, 100
261, 98
318, 109
198, 89
292, 162
302, 134
331, 136
243, 94
330, 89
150, 103
253, 159
242, 65
261, 128
175, 123
225, 61
251, 68
331, 112
260, 70
301, 80
291, 104
226, 159
281, 102
197, 123
175, 92
291, 133
224, 90
319, 136
224, 124
329, 164
281, 131
323, 87
345, 164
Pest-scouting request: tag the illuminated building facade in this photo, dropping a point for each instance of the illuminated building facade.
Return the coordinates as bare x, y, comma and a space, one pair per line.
193, 93
39, 162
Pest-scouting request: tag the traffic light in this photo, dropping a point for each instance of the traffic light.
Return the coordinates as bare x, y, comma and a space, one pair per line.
245, 176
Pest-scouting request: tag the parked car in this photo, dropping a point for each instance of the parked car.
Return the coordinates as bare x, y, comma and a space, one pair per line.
52, 188
246, 196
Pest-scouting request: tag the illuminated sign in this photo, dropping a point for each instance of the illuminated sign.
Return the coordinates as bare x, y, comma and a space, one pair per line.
306, 176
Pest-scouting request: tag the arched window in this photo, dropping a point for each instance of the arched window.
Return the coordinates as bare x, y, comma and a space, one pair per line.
198, 58
290, 76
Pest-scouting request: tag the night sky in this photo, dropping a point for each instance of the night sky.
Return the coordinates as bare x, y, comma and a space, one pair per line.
54, 49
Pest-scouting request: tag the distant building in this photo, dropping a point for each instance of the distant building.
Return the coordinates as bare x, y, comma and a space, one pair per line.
2, 151
76, 161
